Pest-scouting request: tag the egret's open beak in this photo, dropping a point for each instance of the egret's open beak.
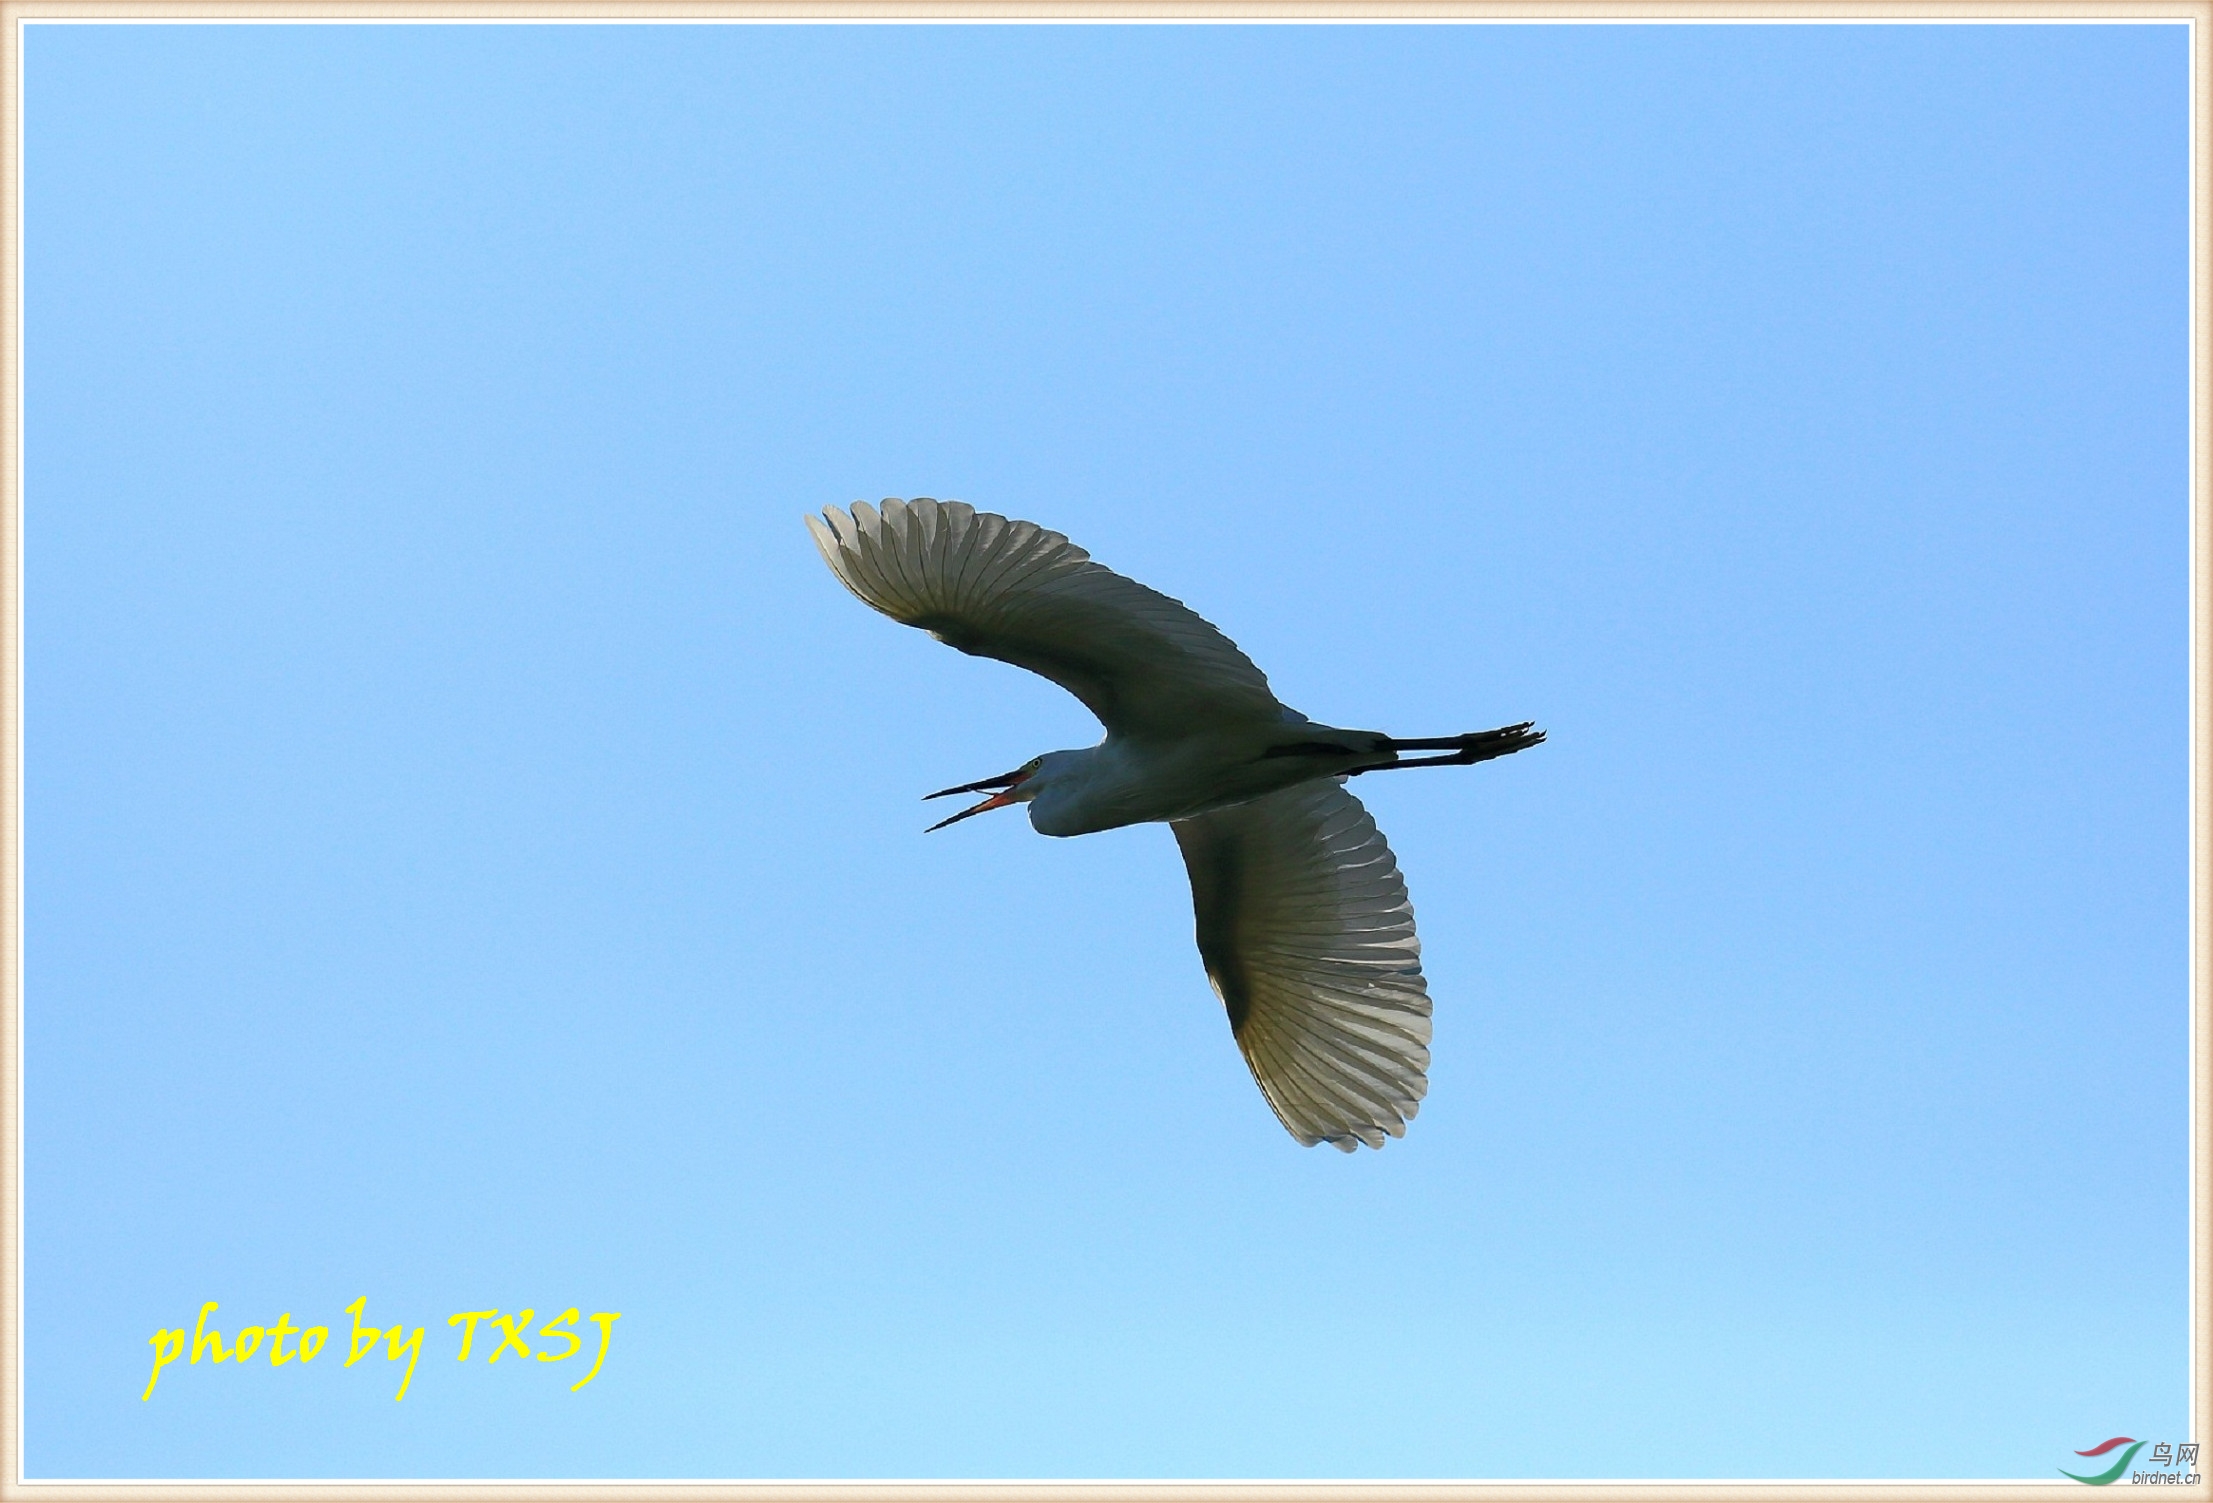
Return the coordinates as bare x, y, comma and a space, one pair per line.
996, 801
1006, 782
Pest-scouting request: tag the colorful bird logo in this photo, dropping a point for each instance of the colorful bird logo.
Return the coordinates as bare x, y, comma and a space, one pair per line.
2113, 1472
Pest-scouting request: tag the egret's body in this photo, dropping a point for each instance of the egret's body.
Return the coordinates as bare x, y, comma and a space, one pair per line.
1303, 920
1128, 780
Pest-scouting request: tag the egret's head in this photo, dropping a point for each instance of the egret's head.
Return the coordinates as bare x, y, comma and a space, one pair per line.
1016, 787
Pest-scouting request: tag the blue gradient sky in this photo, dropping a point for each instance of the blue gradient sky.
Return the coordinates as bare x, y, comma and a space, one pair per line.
473, 852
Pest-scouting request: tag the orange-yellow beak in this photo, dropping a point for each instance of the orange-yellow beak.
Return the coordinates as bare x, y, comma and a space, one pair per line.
996, 801
1006, 782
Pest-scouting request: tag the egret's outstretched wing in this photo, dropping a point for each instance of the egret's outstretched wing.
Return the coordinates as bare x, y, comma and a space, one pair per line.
1144, 664
1308, 937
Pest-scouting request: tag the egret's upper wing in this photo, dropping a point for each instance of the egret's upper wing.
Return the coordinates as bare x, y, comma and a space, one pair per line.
1144, 664
1308, 937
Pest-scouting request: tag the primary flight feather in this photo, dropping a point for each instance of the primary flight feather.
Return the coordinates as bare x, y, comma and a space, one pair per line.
1303, 920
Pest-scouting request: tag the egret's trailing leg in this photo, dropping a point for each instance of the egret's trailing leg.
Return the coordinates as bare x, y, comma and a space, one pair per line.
1475, 746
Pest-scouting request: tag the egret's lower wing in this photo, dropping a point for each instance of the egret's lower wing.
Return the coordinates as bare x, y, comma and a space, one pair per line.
1308, 937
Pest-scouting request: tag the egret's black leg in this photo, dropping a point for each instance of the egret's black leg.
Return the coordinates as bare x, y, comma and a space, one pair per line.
1475, 746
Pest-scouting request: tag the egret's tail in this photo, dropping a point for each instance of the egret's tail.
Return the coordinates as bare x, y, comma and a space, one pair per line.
1475, 746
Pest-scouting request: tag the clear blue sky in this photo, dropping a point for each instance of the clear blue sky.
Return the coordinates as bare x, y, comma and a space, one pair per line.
474, 858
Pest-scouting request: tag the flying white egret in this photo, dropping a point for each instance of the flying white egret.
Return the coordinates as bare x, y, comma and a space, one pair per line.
1303, 920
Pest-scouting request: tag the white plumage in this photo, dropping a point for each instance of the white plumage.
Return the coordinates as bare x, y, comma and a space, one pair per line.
1303, 920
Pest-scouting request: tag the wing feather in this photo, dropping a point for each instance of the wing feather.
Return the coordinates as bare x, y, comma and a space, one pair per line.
979, 544
1146, 665
1308, 937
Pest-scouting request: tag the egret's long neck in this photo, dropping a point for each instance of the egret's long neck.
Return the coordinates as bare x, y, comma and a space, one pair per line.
1096, 788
